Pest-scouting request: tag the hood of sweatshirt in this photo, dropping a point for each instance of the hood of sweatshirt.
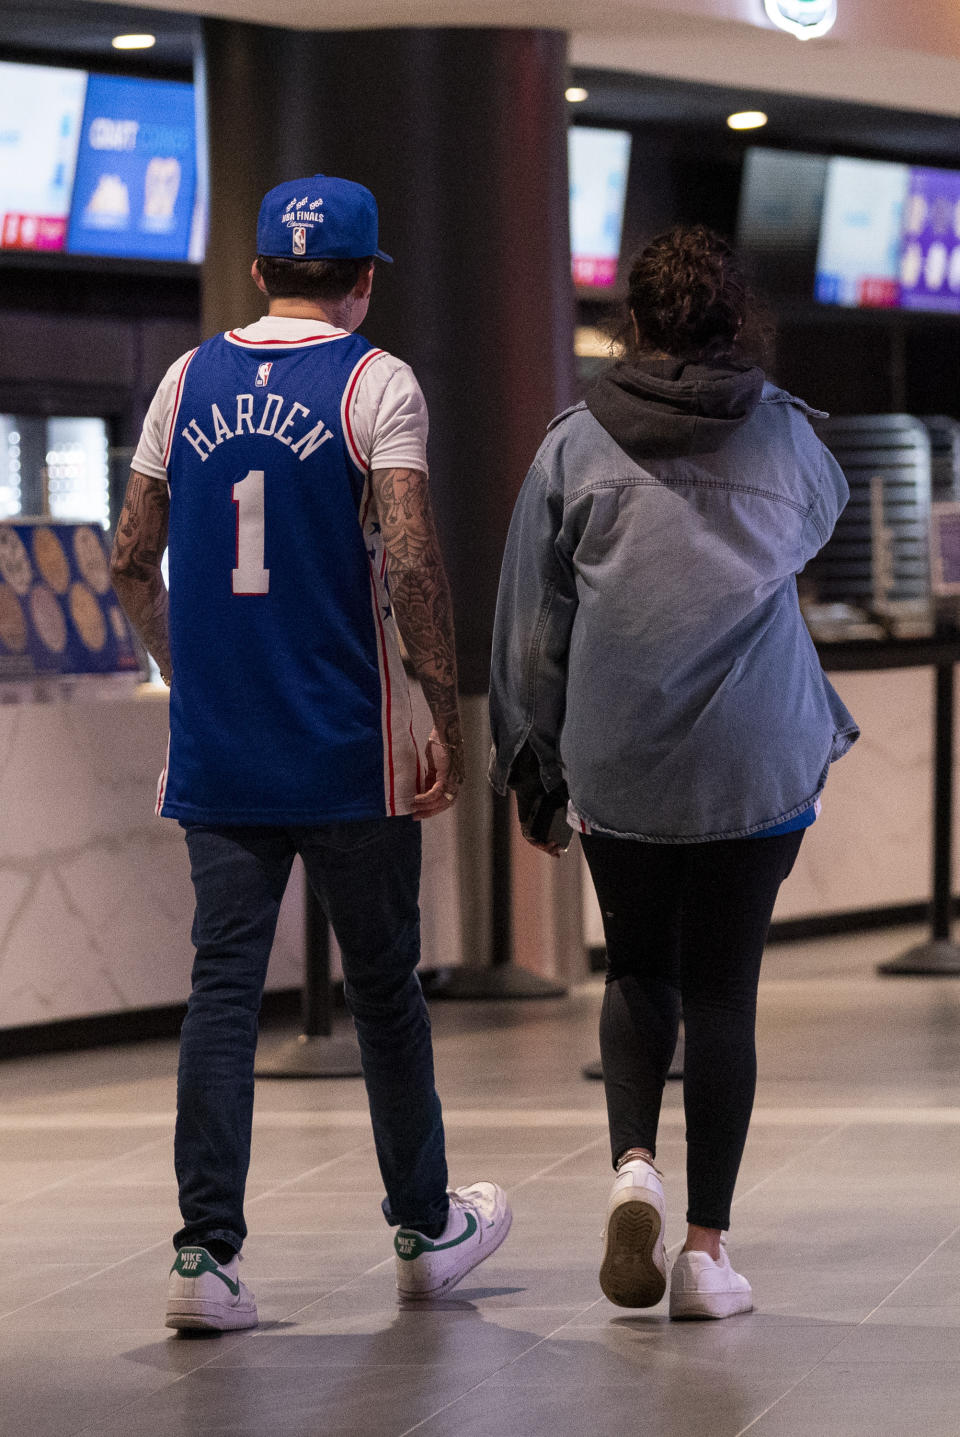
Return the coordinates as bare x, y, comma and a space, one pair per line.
663, 408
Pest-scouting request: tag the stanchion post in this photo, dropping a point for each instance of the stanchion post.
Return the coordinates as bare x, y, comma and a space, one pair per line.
317, 1008
315, 1052
938, 957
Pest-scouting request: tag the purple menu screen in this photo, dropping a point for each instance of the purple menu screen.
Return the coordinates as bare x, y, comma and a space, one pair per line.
930, 254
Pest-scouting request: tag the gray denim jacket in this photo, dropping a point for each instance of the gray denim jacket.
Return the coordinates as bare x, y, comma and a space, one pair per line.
648, 647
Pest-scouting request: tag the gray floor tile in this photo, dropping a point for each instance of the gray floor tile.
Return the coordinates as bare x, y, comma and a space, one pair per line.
846, 1222
868, 1400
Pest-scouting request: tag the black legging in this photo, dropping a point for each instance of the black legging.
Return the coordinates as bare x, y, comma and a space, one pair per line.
685, 926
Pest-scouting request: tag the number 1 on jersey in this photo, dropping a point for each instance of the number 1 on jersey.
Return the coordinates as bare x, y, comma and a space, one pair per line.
250, 577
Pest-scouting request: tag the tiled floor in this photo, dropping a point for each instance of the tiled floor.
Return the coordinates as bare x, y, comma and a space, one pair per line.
847, 1222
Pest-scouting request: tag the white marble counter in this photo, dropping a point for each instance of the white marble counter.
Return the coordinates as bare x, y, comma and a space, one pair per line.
95, 895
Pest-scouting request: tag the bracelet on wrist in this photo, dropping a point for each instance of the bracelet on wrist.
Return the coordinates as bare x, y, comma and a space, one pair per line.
447, 747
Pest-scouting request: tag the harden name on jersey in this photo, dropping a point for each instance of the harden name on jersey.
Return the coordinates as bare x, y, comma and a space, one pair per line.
267, 422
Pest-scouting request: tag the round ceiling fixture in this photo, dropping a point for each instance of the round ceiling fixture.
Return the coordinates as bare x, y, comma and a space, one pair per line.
804, 18
133, 42
747, 120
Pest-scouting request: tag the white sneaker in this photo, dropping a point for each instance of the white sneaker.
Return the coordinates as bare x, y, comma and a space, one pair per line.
700, 1287
633, 1271
203, 1294
477, 1223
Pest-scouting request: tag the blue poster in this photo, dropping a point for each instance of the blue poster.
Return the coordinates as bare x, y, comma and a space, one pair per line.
135, 178
58, 611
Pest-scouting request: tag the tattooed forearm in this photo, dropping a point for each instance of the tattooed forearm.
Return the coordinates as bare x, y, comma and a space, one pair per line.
138, 547
419, 590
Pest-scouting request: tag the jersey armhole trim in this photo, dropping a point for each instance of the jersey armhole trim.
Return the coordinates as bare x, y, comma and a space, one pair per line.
353, 448
176, 407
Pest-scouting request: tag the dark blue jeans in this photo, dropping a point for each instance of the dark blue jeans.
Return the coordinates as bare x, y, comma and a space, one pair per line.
366, 875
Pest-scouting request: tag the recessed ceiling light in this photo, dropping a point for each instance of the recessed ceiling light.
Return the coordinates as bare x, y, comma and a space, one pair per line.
133, 42
747, 120
807, 19
576, 95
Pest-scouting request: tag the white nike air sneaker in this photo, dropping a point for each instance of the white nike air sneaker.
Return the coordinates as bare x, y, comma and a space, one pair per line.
700, 1287
633, 1271
477, 1223
202, 1294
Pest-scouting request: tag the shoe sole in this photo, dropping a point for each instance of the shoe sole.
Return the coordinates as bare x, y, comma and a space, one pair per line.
195, 1314
629, 1276
481, 1255
694, 1306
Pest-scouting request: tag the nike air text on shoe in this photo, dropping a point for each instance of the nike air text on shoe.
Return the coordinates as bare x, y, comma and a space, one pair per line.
700, 1287
633, 1271
203, 1294
478, 1221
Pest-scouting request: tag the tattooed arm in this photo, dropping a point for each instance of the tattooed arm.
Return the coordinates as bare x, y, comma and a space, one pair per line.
138, 547
420, 596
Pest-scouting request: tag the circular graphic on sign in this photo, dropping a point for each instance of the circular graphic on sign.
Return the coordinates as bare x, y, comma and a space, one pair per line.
51, 559
15, 563
87, 617
935, 269
911, 266
13, 626
91, 560
953, 277
48, 619
916, 214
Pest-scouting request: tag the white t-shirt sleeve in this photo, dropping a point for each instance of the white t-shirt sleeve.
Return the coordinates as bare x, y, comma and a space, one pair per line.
389, 416
155, 436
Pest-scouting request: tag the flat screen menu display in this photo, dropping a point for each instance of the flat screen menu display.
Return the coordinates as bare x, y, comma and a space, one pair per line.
872, 234
98, 165
598, 161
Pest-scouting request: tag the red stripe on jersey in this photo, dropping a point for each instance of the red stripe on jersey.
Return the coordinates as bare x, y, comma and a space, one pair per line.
236, 338
176, 406
388, 694
354, 380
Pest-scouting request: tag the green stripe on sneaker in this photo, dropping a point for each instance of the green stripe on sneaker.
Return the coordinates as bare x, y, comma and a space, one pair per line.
410, 1245
192, 1261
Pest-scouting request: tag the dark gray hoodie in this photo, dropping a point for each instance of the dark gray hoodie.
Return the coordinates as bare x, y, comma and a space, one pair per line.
662, 408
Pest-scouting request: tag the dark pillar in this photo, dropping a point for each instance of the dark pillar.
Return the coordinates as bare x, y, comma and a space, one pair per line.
461, 135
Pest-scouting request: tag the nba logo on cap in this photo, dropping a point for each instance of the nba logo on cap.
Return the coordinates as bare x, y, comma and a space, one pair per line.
263, 374
299, 239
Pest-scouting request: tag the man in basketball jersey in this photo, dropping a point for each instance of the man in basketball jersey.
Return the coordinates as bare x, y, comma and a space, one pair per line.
284, 466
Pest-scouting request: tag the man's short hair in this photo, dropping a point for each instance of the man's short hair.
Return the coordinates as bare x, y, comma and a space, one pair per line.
315, 279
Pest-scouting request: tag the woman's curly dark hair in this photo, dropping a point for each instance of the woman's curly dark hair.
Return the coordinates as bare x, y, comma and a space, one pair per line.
687, 296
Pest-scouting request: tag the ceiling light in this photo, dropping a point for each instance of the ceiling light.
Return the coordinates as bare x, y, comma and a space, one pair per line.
806, 19
576, 95
747, 120
133, 42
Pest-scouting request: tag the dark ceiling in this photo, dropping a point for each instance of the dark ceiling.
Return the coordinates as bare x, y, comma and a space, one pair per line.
69, 31
65, 31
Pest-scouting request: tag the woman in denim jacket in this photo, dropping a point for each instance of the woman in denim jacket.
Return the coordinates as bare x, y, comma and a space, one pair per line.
651, 670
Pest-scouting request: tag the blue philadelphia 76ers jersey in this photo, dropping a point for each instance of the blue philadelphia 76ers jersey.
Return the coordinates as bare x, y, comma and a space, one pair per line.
289, 703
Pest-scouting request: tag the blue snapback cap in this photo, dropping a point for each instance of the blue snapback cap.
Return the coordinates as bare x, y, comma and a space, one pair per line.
319, 217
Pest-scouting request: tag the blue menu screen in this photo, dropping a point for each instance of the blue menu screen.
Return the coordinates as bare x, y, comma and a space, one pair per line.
136, 169
98, 165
